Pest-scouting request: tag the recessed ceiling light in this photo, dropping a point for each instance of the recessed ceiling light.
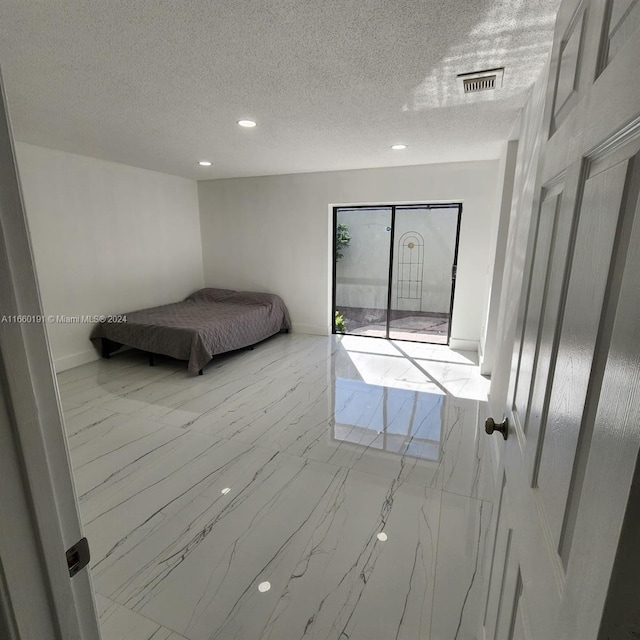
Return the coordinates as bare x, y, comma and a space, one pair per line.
382, 536
204, 163
247, 123
225, 491
398, 147
263, 587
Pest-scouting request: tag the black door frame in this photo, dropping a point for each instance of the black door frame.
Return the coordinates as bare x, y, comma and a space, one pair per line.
394, 207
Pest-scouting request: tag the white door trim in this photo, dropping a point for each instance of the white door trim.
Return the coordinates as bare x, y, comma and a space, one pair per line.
37, 477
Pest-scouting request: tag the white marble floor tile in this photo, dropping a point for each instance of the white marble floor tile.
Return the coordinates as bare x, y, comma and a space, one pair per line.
350, 584
206, 408
363, 344
172, 401
83, 419
196, 564
307, 363
120, 623
428, 439
460, 381
137, 501
71, 409
466, 457
110, 451
383, 370
305, 356
462, 546
87, 375
435, 352
282, 464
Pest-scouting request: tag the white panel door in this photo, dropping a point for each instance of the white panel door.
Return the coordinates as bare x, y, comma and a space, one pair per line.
569, 348
39, 517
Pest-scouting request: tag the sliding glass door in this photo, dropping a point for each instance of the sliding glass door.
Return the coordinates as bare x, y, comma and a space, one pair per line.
422, 281
395, 269
361, 289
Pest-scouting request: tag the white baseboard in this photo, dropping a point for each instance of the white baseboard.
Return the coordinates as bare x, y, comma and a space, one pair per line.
75, 360
311, 329
463, 345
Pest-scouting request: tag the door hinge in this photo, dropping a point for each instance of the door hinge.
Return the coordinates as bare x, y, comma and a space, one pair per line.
78, 556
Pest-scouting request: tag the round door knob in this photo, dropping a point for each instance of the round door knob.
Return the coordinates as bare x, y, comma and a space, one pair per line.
491, 425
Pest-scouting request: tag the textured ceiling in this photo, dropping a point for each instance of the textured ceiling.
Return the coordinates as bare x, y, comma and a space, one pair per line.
332, 84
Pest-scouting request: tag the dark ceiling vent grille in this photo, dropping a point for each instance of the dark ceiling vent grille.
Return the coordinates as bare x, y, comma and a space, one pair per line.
481, 84
476, 81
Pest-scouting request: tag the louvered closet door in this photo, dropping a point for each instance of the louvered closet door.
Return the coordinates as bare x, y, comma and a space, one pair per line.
573, 406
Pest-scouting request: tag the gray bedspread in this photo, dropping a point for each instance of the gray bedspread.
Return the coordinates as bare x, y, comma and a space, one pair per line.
208, 322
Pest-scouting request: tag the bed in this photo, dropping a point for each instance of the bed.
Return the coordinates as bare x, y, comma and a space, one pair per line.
207, 323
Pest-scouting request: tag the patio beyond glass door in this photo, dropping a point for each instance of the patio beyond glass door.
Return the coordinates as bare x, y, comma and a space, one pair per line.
395, 271
361, 289
423, 273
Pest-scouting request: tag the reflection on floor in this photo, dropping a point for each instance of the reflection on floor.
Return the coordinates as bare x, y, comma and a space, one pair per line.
404, 422
418, 326
324, 488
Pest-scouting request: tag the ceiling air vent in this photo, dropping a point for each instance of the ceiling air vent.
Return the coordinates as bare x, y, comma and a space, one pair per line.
487, 80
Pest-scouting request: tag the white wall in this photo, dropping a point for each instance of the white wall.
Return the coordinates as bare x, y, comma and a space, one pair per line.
107, 238
273, 233
498, 247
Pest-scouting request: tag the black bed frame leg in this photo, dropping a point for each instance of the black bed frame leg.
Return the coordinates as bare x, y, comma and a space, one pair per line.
152, 362
107, 347
201, 372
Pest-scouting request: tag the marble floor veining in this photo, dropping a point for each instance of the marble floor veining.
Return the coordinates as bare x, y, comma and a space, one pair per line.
345, 476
